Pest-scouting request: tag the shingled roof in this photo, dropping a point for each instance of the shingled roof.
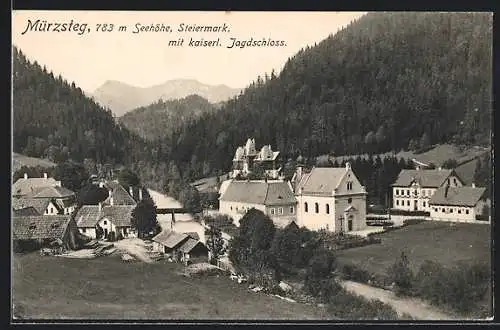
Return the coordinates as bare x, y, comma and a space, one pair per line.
32, 186
30, 210
40, 204
425, 178
40, 227
457, 196
119, 194
190, 244
170, 238
259, 192
321, 180
89, 215
54, 192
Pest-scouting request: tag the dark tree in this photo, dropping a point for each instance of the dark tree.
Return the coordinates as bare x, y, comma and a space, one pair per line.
144, 217
215, 244
72, 175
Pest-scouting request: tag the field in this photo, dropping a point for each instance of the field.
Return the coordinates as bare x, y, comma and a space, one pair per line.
19, 161
107, 288
443, 242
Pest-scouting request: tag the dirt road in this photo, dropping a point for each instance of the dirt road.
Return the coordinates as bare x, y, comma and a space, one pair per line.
135, 247
414, 307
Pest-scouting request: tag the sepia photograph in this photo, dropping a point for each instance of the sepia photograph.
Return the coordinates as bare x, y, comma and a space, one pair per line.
251, 166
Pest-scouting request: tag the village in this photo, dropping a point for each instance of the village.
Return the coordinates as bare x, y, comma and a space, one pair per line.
46, 215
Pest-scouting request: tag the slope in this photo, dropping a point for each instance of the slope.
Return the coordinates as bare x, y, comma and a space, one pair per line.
386, 81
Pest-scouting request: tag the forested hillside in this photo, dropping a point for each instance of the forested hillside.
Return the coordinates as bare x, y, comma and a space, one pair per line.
53, 119
388, 81
154, 121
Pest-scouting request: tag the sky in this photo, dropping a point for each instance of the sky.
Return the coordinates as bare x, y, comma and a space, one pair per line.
145, 59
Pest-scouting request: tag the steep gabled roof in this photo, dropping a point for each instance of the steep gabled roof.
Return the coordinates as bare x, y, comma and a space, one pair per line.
87, 216
119, 194
322, 180
190, 244
119, 215
457, 196
40, 227
54, 192
426, 178
27, 211
259, 192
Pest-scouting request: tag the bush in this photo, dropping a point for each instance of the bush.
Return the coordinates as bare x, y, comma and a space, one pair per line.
410, 213
401, 274
408, 222
350, 306
111, 236
355, 273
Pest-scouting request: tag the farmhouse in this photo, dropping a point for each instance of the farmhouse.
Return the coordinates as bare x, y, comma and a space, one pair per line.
413, 189
330, 198
274, 198
247, 157
118, 195
43, 206
37, 231
28, 187
458, 204
115, 219
64, 198
180, 246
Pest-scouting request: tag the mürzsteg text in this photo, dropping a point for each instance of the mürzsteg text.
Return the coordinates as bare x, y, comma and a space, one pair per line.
44, 26
237, 43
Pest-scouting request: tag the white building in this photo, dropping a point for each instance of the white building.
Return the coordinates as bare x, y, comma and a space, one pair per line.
330, 198
413, 189
458, 204
273, 198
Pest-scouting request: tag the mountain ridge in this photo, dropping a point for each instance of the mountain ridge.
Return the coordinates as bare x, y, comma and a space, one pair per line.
121, 97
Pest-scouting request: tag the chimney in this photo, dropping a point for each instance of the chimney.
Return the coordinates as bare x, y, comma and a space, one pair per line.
45, 175
140, 194
25, 176
347, 166
473, 185
131, 191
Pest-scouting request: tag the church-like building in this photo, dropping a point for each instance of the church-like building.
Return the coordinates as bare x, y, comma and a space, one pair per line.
247, 157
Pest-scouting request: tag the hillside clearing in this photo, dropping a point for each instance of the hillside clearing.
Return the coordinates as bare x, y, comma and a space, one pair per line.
107, 288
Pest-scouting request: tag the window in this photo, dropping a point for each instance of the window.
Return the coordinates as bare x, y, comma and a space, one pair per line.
397, 192
231, 208
349, 185
423, 203
466, 211
83, 230
455, 181
316, 207
451, 210
349, 200
397, 202
105, 222
408, 203
327, 209
291, 209
459, 211
423, 193
280, 210
272, 211
442, 210
408, 192
305, 207
435, 209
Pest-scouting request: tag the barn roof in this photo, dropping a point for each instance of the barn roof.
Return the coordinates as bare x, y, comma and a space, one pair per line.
189, 245
119, 215
425, 178
259, 192
119, 194
87, 216
170, 238
40, 227
457, 196
321, 180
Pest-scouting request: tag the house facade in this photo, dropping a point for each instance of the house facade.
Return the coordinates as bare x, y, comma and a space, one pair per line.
64, 198
457, 204
330, 198
413, 189
247, 157
183, 247
273, 198
43, 206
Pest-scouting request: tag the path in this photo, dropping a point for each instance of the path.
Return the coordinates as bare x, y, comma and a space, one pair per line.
135, 247
414, 307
